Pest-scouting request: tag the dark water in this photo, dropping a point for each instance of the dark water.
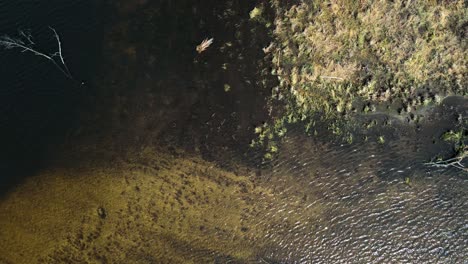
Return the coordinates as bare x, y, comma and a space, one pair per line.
37, 103
377, 203
367, 202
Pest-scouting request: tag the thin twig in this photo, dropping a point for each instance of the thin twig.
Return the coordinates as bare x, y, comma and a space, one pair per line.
60, 50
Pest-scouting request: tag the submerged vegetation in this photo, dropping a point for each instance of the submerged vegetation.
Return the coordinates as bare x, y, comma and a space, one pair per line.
339, 59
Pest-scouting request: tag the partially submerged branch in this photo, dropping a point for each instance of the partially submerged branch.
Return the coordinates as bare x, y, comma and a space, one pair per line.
26, 44
455, 162
459, 139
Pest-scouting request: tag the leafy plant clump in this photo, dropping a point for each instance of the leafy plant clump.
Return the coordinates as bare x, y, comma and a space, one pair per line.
340, 58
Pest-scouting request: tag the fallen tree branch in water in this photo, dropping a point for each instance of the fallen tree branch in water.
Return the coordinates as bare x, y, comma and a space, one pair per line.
26, 44
452, 162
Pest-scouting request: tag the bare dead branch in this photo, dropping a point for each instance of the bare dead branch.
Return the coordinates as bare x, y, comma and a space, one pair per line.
455, 162
60, 50
26, 44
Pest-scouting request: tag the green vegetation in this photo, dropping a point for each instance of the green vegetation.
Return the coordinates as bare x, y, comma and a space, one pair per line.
381, 139
459, 139
454, 137
407, 181
341, 58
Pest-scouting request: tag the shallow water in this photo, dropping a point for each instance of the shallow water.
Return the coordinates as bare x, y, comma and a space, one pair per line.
369, 213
